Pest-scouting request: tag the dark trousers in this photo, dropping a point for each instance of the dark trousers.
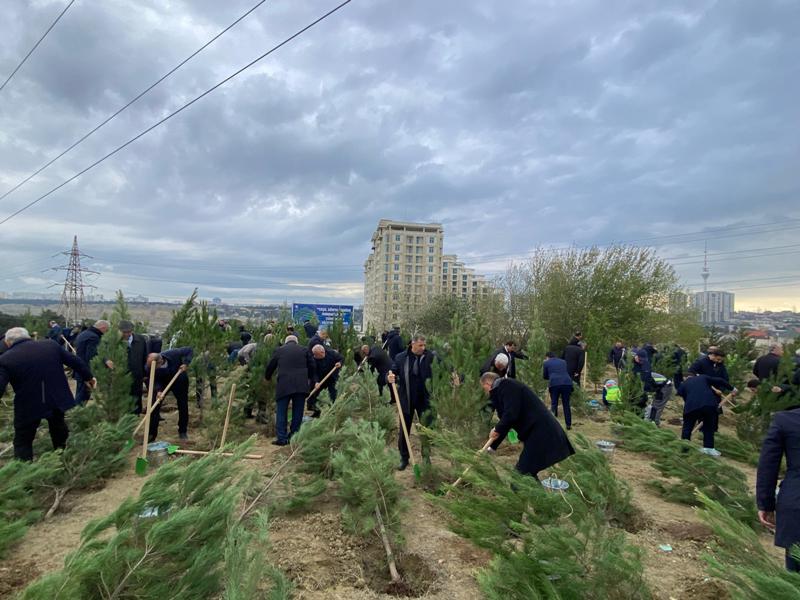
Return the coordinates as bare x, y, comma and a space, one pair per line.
82, 391
792, 564
422, 410
381, 381
199, 388
709, 416
563, 392
180, 389
25, 434
527, 461
282, 415
136, 399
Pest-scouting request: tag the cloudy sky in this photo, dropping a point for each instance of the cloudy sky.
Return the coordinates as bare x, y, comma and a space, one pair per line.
515, 124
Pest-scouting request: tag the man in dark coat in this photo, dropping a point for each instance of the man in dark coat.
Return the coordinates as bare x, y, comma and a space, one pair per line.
379, 362
510, 350
616, 355
325, 359
394, 342
168, 364
783, 514
712, 364
36, 372
137, 359
309, 328
559, 384
701, 403
55, 332
544, 441
320, 337
411, 370
575, 356
766, 366
678, 359
296, 373
86, 348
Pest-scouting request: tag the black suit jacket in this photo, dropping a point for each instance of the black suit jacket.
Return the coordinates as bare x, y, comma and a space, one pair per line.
35, 371
413, 396
575, 357
783, 438
324, 365
86, 344
766, 366
137, 358
296, 369
520, 409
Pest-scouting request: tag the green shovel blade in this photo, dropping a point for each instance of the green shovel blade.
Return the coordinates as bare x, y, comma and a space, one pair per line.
513, 438
141, 466
417, 472
171, 449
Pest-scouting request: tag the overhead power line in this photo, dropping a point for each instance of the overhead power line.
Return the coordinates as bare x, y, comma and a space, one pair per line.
36, 45
130, 103
177, 111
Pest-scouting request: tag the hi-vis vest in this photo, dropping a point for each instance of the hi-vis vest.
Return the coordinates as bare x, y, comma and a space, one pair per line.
613, 393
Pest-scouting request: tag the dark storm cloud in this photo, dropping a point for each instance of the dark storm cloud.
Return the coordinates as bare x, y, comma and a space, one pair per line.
515, 124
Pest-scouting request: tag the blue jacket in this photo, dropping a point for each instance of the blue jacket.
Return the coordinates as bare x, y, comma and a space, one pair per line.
697, 393
554, 370
35, 371
783, 438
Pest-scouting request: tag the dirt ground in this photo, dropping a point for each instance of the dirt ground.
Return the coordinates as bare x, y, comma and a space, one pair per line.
326, 563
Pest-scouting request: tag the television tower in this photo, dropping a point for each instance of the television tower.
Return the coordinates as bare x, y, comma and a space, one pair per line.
72, 296
705, 272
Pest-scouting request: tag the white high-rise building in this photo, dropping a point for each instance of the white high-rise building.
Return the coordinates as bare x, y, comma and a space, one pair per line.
714, 307
407, 267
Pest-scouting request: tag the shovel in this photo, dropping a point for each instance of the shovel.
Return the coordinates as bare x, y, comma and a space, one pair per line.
457, 481
412, 460
70, 346
161, 396
141, 461
227, 416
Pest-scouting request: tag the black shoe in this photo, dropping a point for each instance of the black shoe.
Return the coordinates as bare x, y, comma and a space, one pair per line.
569, 427
151, 439
183, 436
279, 443
402, 466
160, 419
316, 414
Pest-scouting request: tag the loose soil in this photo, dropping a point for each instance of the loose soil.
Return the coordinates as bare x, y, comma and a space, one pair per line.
326, 563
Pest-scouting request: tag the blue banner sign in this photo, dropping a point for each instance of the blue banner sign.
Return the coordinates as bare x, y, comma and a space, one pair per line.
322, 313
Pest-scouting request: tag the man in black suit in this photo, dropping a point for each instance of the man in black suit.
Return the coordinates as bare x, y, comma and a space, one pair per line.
510, 350
168, 364
544, 441
296, 373
325, 359
767, 366
575, 356
41, 391
394, 342
137, 358
86, 348
781, 514
410, 371
379, 362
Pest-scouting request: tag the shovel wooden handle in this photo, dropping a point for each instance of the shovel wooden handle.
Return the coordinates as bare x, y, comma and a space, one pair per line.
70, 346
393, 387
204, 453
324, 379
227, 416
161, 396
149, 408
486, 446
